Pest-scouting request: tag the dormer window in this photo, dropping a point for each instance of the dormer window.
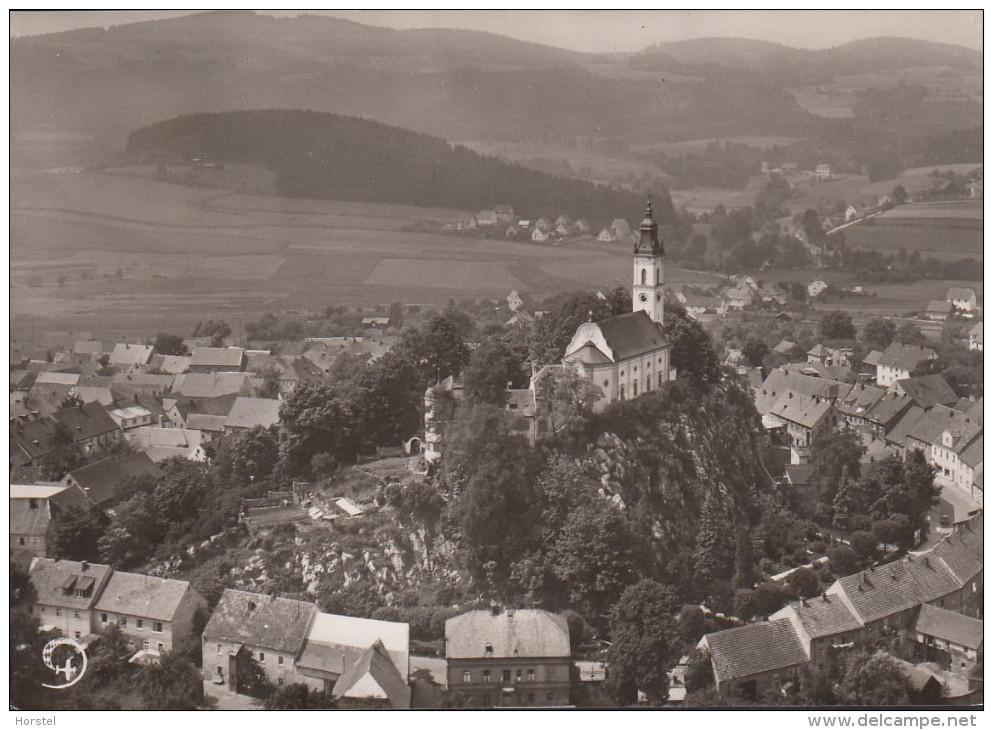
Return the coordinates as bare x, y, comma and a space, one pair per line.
488, 649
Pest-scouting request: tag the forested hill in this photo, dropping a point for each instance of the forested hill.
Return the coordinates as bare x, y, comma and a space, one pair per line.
319, 155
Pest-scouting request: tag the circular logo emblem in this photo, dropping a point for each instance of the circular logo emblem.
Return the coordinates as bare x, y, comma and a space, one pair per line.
67, 658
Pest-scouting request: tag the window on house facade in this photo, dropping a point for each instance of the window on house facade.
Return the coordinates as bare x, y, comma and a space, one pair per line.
157, 626
261, 656
634, 390
279, 661
139, 624
622, 393
103, 618
218, 648
58, 612
530, 675
145, 644
34, 542
21, 541
550, 674
77, 634
486, 675
122, 621
467, 676
161, 646
280, 682
518, 677
506, 675
75, 615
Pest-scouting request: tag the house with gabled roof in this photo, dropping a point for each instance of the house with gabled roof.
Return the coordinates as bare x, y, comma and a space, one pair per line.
759, 657
248, 413
156, 614
66, 593
927, 390
32, 509
962, 298
938, 310
509, 658
271, 630
953, 640
217, 360
976, 337
90, 425
802, 415
103, 480
899, 361
129, 355
360, 662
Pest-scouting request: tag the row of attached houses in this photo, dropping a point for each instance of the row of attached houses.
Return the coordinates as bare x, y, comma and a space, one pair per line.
80, 599
932, 601
351, 659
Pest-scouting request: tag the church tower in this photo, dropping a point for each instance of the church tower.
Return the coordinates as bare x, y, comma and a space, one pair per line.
647, 294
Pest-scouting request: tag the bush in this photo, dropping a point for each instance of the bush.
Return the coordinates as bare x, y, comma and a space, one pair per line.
865, 544
804, 583
842, 560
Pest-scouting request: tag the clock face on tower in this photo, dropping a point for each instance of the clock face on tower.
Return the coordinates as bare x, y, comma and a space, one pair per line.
643, 297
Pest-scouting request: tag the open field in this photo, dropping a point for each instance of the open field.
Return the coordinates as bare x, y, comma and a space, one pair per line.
879, 299
136, 256
560, 160
947, 231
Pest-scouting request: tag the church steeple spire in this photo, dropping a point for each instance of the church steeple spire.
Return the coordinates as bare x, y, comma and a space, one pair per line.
649, 239
647, 293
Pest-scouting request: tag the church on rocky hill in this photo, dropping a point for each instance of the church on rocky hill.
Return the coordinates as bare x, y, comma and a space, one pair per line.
628, 355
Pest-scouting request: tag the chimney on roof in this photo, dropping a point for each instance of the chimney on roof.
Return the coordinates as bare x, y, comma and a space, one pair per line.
84, 566
824, 596
927, 563
495, 610
251, 605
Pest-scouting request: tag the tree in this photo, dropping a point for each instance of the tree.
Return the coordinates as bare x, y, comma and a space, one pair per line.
834, 456
692, 352
907, 494
754, 351
439, 348
492, 368
172, 683
865, 544
899, 195
565, 401
841, 559
249, 455
879, 333
595, 556
64, 456
385, 396
270, 383
837, 326
166, 344
803, 583
642, 632
76, 533
874, 680
491, 475
316, 418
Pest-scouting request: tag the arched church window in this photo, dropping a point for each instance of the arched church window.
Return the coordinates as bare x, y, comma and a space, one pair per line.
644, 276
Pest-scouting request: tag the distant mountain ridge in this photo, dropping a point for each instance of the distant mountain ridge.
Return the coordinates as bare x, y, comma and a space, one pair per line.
455, 84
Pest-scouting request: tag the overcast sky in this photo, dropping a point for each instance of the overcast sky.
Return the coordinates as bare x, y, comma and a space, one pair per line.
611, 30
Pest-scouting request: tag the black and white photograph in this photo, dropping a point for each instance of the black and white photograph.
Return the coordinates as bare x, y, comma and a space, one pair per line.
468, 360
